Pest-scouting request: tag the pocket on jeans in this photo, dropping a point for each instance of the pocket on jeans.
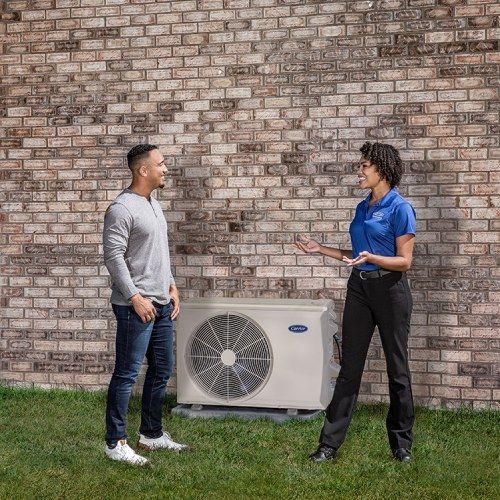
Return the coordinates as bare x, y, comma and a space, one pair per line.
121, 312
132, 315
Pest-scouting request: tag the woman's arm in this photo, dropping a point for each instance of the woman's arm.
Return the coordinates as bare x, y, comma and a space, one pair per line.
400, 262
312, 246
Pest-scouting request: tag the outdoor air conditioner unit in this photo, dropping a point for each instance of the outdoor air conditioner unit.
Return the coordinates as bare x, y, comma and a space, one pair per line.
256, 353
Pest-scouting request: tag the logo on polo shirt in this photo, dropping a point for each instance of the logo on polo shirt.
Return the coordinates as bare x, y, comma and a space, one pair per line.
378, 215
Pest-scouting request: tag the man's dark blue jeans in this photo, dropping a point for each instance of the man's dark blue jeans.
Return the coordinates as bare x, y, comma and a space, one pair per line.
134, 340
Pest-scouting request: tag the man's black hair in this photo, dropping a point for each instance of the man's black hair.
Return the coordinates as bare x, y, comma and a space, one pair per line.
387, 160
138, 153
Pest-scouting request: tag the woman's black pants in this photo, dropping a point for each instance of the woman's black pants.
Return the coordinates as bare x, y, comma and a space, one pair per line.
384, 302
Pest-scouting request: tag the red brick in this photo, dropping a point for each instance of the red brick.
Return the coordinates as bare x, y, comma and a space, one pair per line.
258, 110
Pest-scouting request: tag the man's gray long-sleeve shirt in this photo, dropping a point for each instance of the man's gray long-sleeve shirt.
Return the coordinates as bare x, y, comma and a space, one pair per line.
136, 249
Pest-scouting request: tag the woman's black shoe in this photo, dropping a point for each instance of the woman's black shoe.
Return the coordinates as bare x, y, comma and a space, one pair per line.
324, 452
402, 455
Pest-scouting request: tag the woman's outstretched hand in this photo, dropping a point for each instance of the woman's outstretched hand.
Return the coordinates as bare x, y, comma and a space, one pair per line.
307, 245
360, 259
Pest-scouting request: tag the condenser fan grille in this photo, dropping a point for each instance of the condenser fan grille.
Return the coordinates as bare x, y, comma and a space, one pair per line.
229, 356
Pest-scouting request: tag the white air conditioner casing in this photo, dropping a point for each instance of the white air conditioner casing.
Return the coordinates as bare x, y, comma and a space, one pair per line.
269, 353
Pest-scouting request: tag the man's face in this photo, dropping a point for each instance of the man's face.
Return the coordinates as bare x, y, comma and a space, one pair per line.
156, 169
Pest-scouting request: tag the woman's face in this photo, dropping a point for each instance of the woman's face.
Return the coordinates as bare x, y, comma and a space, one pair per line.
368, 176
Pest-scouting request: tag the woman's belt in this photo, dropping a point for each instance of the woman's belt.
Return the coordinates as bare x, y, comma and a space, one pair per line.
376, 273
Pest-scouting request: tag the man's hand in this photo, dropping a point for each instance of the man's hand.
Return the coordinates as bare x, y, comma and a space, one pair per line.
174, 297
143, 307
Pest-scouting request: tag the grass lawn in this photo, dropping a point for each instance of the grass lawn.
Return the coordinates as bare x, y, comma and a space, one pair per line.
51, 446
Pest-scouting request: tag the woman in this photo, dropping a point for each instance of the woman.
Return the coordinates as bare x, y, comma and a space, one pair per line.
382, 236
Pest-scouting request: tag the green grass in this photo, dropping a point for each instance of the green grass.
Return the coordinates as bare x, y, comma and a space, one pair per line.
51, 446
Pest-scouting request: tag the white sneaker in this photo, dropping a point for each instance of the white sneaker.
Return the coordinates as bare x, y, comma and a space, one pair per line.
163, 442
124, 453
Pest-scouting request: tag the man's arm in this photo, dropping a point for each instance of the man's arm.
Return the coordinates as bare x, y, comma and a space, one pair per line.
117, 227
174, 295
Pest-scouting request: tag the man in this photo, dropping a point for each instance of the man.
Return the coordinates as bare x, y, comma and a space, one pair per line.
145, 300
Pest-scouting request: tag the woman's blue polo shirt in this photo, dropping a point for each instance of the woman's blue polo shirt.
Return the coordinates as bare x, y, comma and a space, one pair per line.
375, 229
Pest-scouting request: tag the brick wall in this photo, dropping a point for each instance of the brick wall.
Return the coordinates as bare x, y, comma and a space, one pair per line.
260, 106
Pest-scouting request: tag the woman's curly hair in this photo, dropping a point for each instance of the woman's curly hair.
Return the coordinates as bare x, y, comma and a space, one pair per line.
387, 160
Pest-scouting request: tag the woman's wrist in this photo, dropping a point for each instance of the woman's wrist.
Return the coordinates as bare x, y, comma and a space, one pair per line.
370, 257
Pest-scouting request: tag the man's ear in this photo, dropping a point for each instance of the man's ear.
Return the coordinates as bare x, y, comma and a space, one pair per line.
143, 170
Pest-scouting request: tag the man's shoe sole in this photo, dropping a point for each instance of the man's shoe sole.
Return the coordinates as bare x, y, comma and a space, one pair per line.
145, 447
135, 464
